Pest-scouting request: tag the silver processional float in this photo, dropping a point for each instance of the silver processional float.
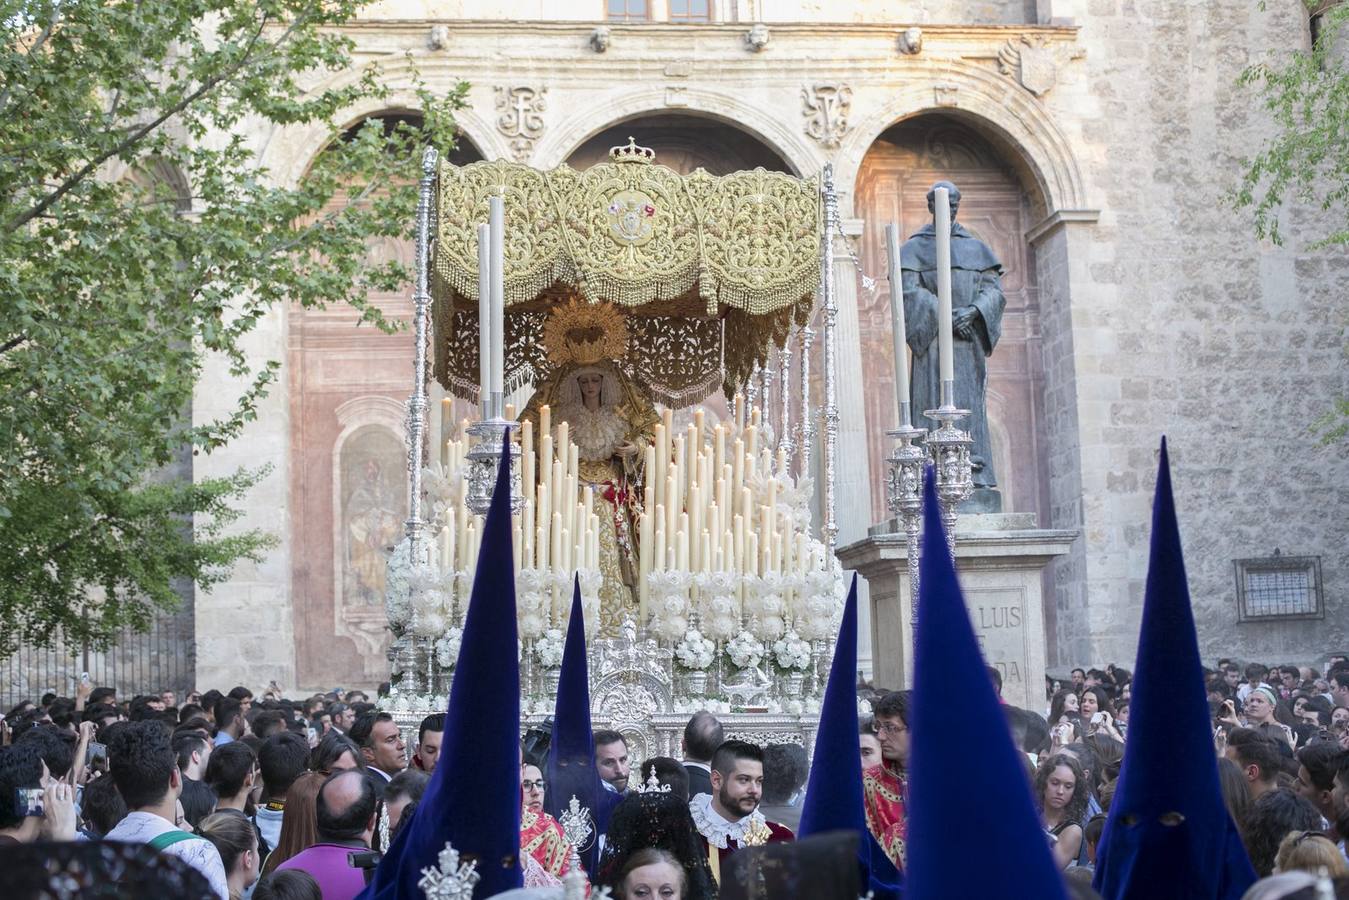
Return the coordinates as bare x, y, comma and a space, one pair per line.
658, 329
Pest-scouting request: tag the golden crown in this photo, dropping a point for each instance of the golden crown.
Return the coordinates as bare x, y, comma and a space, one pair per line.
581, 333
632, 153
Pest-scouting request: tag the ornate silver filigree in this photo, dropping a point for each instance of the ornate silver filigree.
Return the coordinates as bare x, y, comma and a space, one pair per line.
904, 493
831, 228
484, 461
416, 404
577, 824
949, 447
450, 879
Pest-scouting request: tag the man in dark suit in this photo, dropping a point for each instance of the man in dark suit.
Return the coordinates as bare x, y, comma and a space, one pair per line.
702, 736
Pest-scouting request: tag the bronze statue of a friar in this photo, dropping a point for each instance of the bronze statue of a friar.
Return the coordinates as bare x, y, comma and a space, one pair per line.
976, 317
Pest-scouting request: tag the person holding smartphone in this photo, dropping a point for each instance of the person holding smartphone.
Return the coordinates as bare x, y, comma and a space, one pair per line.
33, 805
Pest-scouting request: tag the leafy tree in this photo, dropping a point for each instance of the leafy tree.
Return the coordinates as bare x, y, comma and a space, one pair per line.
140, 237
1307, 159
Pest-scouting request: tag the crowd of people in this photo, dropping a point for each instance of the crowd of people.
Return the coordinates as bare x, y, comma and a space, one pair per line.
269, 797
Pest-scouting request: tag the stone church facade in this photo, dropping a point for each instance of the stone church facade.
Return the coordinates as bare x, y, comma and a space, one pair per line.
1095, 142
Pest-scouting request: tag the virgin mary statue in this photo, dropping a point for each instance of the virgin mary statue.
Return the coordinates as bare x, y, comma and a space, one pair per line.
611, 420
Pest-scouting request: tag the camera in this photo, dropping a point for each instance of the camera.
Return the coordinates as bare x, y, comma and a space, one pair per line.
28, 802
365, 860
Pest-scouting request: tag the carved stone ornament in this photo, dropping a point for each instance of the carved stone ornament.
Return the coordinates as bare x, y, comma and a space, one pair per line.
911, 41
599, 39
1031, 62
826, 107
521, 117
439, 38
757, 37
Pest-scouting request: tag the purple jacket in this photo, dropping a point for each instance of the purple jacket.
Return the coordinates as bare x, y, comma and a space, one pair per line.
328, 864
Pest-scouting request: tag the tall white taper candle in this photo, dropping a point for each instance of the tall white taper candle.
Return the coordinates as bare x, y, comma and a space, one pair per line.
484, 320
898, 330
942, 225
497, 222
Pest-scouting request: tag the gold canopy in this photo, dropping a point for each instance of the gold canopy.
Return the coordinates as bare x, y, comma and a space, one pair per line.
712, 271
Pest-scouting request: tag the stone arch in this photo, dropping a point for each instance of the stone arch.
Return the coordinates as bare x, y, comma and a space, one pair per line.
290, 152
559, 143
997, 207
1006, 115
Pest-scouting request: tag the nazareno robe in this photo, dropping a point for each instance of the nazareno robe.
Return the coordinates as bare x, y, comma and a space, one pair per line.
975, 281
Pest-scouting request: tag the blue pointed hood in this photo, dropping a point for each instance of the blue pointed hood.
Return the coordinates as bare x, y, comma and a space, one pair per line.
473, 799
1169, 833
965, 776
571, 754
834, 793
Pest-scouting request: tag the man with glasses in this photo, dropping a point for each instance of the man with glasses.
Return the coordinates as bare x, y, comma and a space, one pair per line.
885, 787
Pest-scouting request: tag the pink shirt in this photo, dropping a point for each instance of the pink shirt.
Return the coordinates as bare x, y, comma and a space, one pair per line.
328, 864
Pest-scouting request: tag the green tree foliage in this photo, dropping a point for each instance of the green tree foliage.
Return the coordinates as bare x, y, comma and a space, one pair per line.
141, 238
1307, 159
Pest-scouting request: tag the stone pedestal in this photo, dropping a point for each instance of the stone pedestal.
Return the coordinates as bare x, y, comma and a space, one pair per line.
1001, 560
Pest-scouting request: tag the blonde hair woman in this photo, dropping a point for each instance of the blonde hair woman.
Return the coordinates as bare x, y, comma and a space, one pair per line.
236, 839
1309, 851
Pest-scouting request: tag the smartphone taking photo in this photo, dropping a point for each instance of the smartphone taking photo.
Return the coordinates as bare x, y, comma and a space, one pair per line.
28, 802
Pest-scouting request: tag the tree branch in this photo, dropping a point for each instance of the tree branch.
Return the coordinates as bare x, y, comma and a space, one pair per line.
28, 57
90, 167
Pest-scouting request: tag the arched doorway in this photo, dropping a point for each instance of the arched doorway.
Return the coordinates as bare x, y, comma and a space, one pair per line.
348, 470
997, 207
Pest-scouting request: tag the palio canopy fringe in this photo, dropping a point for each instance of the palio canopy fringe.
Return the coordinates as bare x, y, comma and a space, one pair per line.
743, 247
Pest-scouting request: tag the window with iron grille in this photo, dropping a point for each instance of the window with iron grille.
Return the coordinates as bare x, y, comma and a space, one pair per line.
690, 10
627, 10
1279, 587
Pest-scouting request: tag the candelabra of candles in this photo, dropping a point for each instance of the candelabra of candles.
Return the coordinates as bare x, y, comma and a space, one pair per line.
946, 447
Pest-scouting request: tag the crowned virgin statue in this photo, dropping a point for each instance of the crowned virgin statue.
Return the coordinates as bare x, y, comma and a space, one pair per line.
611, 420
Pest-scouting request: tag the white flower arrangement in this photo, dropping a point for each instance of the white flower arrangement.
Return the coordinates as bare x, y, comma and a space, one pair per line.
447, 648
549, 648
792, 653
695, 651
397, 594
669, 603
745, 650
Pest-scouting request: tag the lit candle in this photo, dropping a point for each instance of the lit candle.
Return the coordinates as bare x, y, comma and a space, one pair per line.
698, 417
739, 412
497, 223
942, 211
545, 421
484, 320
510, 411
563, 437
